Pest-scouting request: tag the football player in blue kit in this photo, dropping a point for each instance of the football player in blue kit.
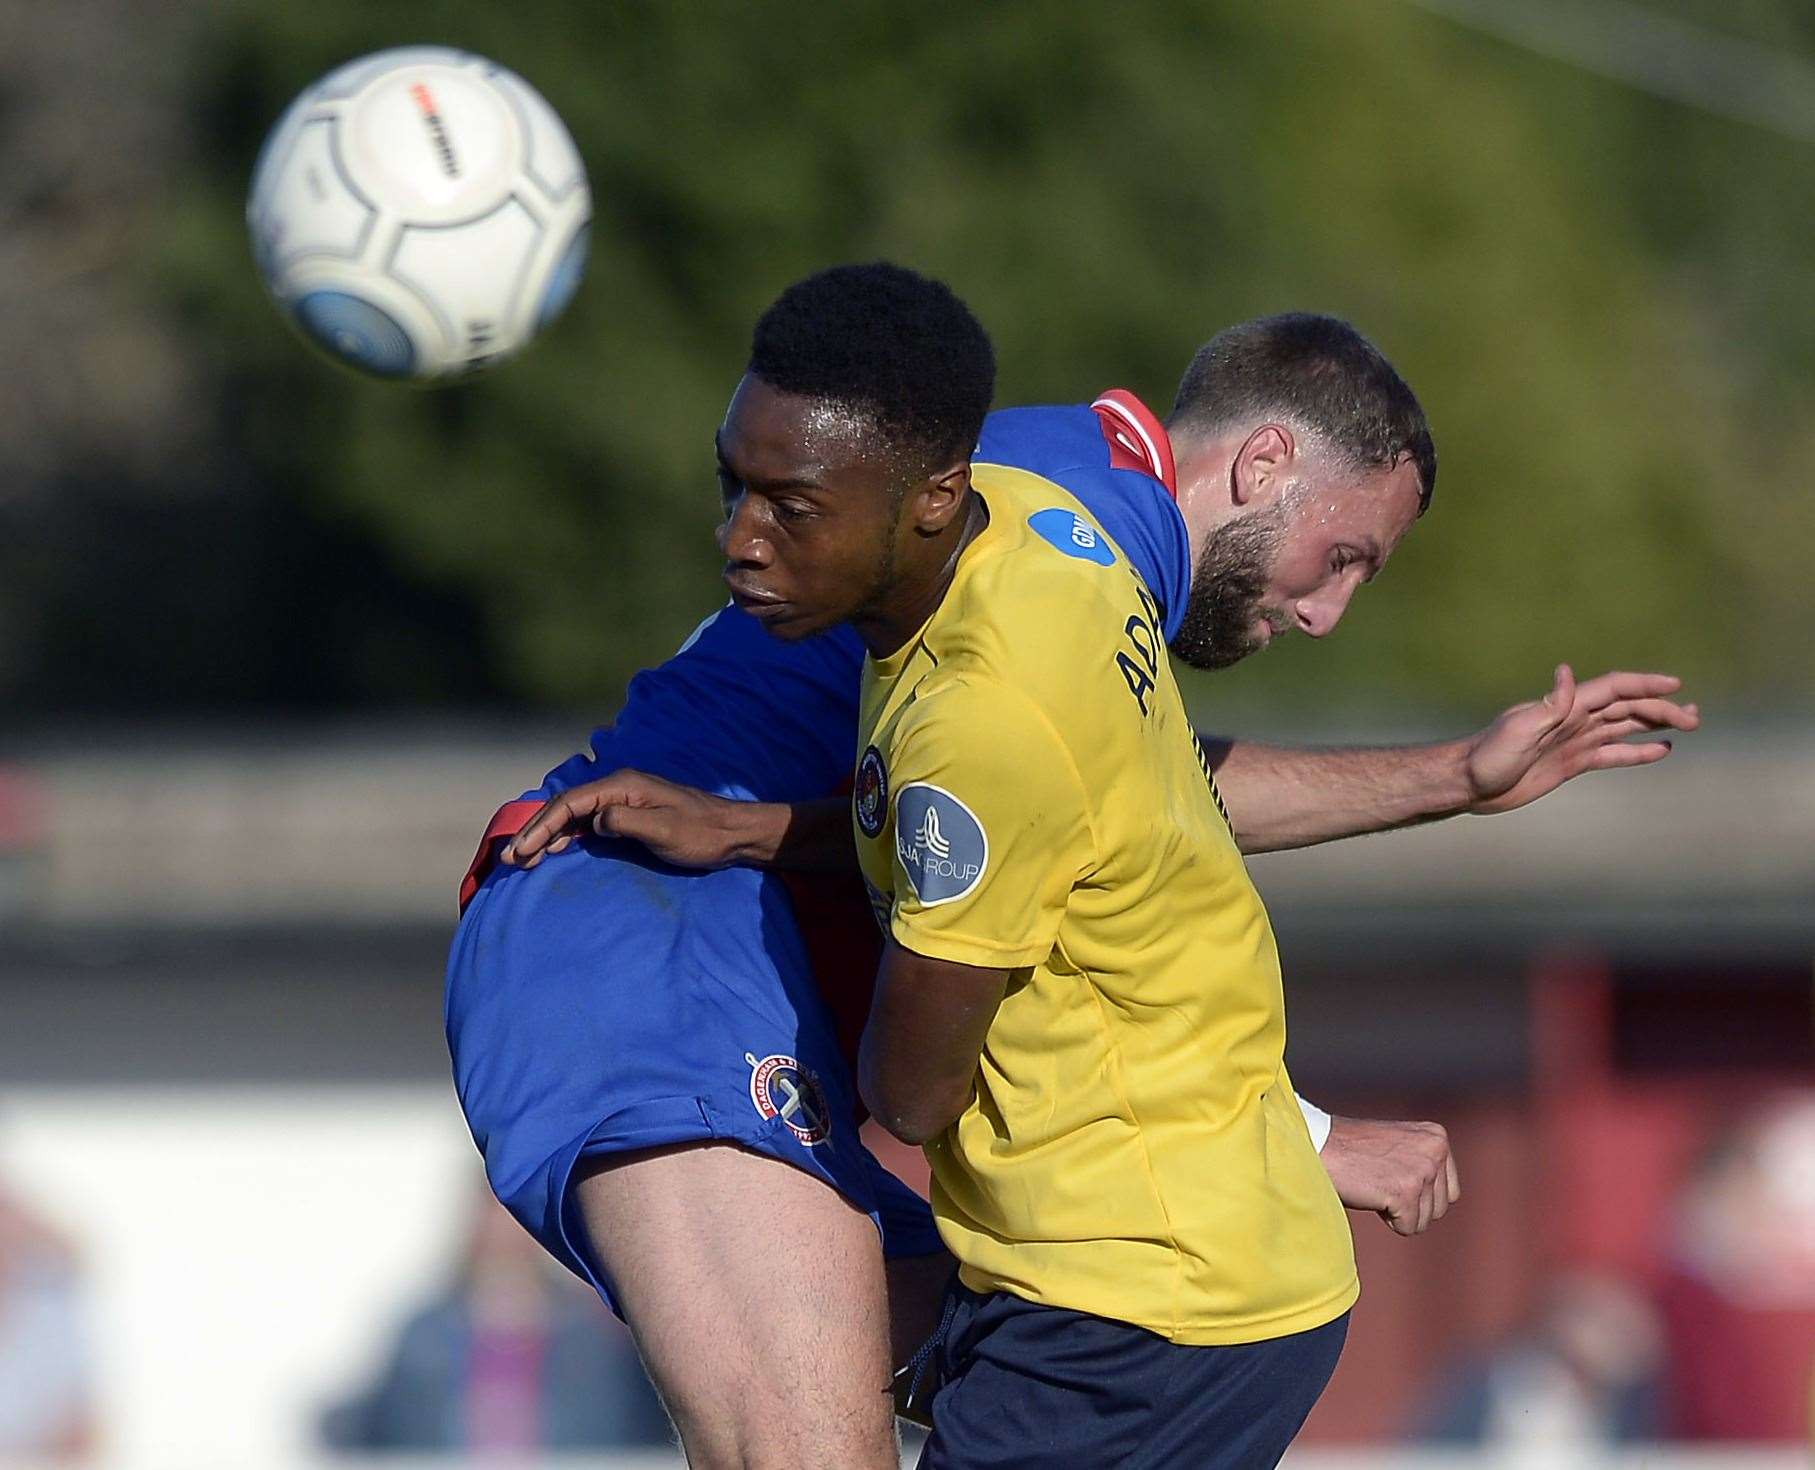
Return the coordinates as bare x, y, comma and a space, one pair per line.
648, 1063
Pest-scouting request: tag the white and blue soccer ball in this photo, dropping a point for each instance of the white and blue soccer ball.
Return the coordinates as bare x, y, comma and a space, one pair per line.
420, 213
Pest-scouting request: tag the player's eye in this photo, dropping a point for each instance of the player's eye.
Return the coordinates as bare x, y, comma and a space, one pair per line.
793, 512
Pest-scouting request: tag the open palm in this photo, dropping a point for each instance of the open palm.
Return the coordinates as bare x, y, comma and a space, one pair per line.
1534, 748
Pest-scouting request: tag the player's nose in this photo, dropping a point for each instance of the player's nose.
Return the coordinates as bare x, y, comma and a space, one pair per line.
740, 538
1319, 613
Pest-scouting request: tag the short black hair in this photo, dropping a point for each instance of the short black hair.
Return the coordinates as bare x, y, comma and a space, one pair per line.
1315, 371
886, 343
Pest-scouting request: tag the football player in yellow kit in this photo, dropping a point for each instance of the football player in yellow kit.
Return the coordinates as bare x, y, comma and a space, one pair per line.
1079, 1006
1079, 1010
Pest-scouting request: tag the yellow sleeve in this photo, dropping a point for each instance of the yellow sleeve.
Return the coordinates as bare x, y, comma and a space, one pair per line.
992, 828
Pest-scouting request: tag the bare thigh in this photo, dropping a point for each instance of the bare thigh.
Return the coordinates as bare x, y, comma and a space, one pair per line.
756, 1296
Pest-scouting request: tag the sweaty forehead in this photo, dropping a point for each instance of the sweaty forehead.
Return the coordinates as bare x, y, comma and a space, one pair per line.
1378, 503
772, 435
1397, 497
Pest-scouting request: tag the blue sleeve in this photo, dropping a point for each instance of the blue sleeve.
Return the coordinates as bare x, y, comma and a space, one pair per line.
738, 713
1141, 519
1064, 443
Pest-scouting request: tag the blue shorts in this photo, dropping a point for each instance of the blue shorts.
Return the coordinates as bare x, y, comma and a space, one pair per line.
1025, 1387
603, 1002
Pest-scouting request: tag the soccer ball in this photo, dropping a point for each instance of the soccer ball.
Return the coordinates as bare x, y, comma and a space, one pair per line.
420, 213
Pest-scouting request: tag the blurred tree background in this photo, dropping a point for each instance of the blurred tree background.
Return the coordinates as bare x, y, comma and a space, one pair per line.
1605, 300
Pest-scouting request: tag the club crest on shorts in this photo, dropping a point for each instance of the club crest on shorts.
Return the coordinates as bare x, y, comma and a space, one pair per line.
870, 798
781, 1088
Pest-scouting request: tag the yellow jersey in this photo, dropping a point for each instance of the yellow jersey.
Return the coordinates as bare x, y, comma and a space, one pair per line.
1031, 797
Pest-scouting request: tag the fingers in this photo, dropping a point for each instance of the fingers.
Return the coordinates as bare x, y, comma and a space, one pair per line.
1446, 1188
1412, 1216
1618, 755
552, 830
1425, 1183
1655, 714
1556, 705
1441, 1185
1443, 1188
624, 820
1620, 729
525, 850
1563, 692
1402, 1219
1605, 688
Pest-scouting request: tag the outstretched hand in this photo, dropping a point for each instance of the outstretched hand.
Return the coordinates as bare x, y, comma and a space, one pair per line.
1534, 748
679, 825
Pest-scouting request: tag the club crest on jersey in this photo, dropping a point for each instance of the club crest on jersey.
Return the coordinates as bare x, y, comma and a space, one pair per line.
781, 1088
1073, 535
941, 844
870, 797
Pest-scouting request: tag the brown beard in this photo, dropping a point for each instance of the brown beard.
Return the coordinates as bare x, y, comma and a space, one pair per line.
1226, 589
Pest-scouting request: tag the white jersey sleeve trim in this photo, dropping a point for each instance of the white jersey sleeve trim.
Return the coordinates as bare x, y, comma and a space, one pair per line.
1318, 1121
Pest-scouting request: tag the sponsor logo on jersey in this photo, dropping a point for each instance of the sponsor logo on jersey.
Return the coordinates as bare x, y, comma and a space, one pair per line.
1073, 535
781, 1088
870, 796
942, 846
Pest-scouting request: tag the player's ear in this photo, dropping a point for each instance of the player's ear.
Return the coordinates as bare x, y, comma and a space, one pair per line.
1260, 462
936, 503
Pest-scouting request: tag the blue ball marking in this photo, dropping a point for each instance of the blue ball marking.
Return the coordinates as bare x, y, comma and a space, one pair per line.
1073, 535
566, 278
357, 332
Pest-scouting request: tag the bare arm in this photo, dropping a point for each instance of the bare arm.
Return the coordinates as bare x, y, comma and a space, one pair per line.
917, 1065
1280, 797
689, 828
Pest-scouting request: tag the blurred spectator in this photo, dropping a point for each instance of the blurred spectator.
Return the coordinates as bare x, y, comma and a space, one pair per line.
1584, 1375
24, 843
45, 1407
1739, 1299
514, 1357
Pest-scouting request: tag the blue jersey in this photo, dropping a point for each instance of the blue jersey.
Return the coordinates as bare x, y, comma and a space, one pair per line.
689, 719
1114, 456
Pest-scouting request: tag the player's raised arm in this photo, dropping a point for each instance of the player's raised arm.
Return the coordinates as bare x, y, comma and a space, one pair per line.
1280, 797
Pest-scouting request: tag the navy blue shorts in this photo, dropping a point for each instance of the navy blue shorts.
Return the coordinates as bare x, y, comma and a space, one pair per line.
603, 1003
1027, 1387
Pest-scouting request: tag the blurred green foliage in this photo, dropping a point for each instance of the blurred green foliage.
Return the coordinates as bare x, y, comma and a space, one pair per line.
1605, 301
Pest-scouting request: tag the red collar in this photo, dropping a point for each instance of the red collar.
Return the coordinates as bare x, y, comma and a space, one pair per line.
1137, 439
